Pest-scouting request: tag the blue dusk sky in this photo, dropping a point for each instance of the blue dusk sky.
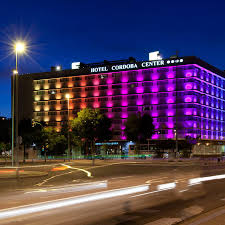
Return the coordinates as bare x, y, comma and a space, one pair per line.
64, 31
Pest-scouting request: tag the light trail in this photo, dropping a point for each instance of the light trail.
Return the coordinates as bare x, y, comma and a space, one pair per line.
49, 205
75, 187
199, 180
75, 168
167, 186
61, 168
154, 180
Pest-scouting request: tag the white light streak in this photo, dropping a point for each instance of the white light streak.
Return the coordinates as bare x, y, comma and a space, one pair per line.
34, 208
73, 188
167, 186
202, 179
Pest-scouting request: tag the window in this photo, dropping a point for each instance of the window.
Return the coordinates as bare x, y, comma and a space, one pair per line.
117, 98
40, 81
103, 99
159, 82
64, 79
163, 70
76, 90
162, 95
89, 77
40, 103
89, 88
162, 119
63, 90
132, 85
40, 114
63, 102
147, 72
162, 107
116, 75
52, 102
89, 100
116, 86
147, 84
102, 76
132, 97
132, 109
102, 87
63, 113
52, 113
116, 110
147, 108
76, 100
132, 74
40, 92
52, 81
76, 78
161, 132
103, 110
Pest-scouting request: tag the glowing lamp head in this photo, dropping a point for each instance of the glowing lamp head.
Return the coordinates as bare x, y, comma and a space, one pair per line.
15, 72
20, 47
58, 68
67, 96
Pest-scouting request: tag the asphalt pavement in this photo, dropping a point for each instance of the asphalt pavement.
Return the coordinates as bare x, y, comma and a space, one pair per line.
113, 192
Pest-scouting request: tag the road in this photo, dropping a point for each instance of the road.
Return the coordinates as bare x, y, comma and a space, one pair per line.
113, 193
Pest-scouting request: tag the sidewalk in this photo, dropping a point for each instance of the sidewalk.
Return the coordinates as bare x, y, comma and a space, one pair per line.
214, 217
11, 173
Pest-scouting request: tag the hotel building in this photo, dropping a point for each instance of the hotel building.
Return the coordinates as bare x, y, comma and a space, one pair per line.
185, 96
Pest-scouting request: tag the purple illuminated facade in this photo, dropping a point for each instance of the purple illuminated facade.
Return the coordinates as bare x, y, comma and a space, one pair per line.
184, 94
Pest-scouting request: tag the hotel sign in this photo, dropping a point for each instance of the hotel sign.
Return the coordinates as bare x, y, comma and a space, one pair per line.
138, 65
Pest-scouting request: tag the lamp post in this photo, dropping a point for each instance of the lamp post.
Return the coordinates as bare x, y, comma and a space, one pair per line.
19, 48
68, 107
13, 113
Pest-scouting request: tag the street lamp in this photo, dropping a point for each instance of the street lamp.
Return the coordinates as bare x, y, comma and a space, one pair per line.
19, 48
68, 107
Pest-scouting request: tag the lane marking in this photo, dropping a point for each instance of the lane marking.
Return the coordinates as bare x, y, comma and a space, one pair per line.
165, 221
114, 178
50, 178
184, 190
134, 196
78, 169
155, 180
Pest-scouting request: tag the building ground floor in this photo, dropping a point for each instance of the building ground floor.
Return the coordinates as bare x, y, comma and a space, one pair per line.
164, 148
150, 149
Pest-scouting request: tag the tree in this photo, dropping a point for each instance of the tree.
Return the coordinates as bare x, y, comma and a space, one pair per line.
91, 126
139, 128
5, 131
26, 131
65, 131
2, 147
49, 139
